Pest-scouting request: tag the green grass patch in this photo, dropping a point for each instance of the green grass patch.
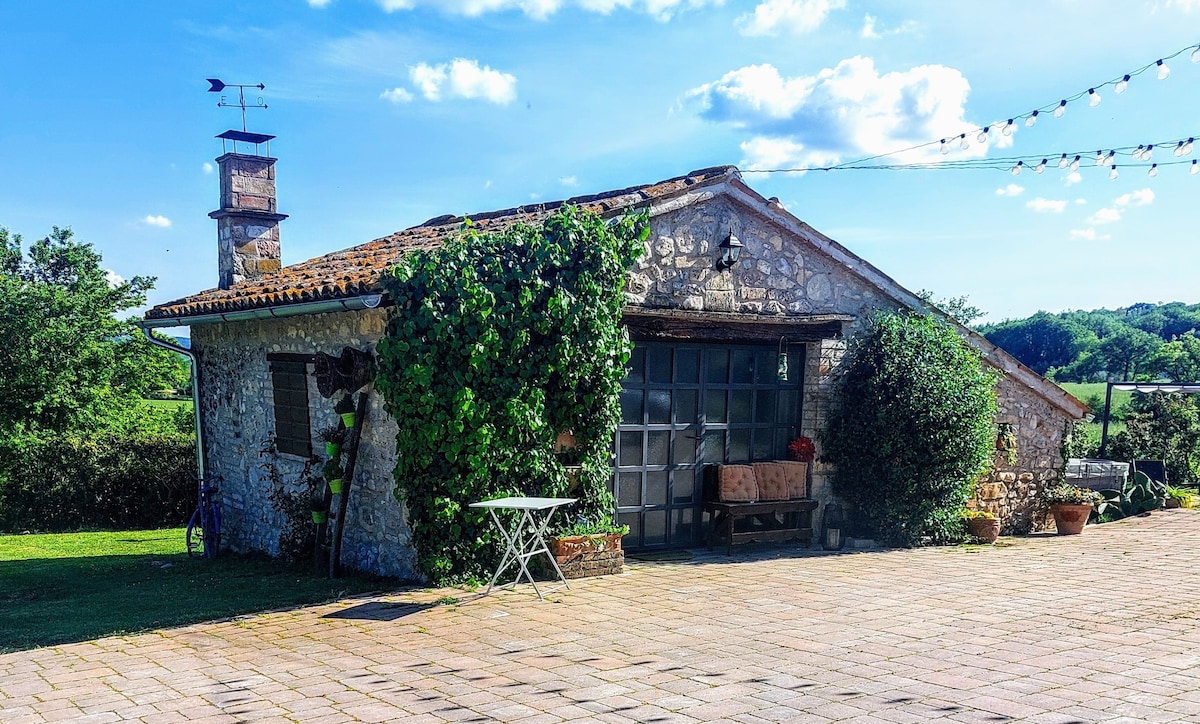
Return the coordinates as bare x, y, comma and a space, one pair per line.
62, 588
1093, 391
168, 404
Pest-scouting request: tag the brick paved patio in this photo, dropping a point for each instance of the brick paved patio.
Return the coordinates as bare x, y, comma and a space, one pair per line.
1099, 627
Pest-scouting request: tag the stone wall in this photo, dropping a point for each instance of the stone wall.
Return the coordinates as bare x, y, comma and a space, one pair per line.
1010, 491
238, 416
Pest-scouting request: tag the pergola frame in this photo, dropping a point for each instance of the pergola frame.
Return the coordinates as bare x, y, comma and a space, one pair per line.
1171, 388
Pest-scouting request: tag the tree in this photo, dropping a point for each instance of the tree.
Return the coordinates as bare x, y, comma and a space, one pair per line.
67, 364
960, 308
1178, 359
911, 428
1041, 341
1126, 350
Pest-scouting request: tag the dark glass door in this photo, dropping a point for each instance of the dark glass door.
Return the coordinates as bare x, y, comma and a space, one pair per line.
684, 406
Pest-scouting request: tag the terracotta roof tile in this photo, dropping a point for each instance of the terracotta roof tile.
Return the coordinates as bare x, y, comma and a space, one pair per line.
356, 271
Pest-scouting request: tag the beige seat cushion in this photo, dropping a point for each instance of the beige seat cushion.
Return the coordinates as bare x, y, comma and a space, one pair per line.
797, 478
737, 484
772, 481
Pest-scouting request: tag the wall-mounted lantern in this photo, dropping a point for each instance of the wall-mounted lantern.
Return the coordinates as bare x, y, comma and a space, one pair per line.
731, 250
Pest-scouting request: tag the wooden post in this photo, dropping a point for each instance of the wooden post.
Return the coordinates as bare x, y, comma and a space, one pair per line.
339, 524
1104, 426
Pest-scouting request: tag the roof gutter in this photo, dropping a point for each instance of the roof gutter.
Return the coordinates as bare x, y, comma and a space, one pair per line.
367, 301
195, 395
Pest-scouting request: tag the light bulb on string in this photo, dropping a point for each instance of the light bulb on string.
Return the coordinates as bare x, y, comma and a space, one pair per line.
1099, 158
1074, 166
1112, 175
1029, 122
1110, 158
1008, 128
1164, 70
1016, 170
1147, 152
1196, 55
945, 147
1187, 147
983, 134
1178, 149
1137, 152
1194, 169
1121, 85
1041, 167
964, 144
1062, 162
1153, 170
1062, 108
1093, 97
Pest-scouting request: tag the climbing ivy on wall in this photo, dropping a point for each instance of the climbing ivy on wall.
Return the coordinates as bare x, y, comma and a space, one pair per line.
498, 342
911, 429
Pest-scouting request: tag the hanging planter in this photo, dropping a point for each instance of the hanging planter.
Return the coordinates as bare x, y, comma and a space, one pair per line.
320, 516
333, 475
336, 486
345, 410
333, 438
565, 441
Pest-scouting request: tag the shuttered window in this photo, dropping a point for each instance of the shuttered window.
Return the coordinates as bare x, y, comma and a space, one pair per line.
293, 432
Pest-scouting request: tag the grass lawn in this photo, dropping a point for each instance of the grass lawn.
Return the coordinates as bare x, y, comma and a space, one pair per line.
1096, 390
168, 404
60, 588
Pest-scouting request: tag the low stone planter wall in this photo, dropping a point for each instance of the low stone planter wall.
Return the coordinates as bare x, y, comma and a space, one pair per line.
581, 556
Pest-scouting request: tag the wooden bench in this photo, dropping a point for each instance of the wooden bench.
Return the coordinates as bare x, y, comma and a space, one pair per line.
775, 519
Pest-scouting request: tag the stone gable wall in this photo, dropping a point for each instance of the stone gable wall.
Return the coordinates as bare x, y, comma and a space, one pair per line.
238, 413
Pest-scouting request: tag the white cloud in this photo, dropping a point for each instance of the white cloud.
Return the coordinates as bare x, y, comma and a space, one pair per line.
848, 109
1088, 235
161, 222
318, 3
397, 95
1141, 197
1081, 202
541, 9
1072, 178
1107, 215
463, 78
791, 16
206, 167
114, 279
569, 181
871, 30
1044, 206
1010, 190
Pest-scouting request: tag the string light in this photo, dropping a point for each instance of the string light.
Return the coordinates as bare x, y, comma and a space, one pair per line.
1112, 175
983, 134
1196, 55
1074, 164
1187, 147
1137, 153
1062, 108
945, 147
1016, 170
1164, 70
1153, 170
1194, 169
1121, 85
1146, 153
1008, 128
1041, 167
1093, 97
1099, 158
1032, 120
964, 144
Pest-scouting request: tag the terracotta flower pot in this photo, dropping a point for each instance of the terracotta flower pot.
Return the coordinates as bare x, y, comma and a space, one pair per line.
985, 529
576, 545
1070, 519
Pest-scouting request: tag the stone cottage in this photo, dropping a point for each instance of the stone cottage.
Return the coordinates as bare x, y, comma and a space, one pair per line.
731, 280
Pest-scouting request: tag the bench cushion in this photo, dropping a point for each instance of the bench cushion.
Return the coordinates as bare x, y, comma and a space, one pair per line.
797, 478
737, 484
772, 481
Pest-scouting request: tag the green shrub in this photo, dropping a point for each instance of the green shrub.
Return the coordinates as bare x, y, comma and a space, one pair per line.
499, 342
912, 428
65, 484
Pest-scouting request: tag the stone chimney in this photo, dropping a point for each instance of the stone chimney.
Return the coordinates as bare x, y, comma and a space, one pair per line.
247, 222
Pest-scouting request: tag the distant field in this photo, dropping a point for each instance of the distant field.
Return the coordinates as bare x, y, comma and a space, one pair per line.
1085, 390
169, 404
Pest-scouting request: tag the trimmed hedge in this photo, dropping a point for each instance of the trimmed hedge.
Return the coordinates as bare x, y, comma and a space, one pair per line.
108, 482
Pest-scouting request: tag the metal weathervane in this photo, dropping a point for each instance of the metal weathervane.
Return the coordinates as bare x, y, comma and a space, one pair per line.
216, 86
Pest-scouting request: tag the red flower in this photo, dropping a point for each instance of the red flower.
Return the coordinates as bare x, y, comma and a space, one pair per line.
802, 450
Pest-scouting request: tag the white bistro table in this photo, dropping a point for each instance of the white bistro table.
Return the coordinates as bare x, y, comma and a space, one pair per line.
526, 538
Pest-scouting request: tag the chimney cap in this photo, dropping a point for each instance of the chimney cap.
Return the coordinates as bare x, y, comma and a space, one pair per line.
246, 136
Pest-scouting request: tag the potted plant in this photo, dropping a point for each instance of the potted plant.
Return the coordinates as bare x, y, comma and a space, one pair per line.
319, 514
982, 525
345, 409
333, 437
802, 450
1070, 505
564, 442
589, 548
333, 475
1180, 498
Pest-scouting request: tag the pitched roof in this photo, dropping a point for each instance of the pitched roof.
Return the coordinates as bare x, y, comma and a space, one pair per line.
356, 271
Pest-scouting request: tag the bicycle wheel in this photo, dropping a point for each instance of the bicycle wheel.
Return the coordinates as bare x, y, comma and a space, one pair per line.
212, 531
195, 533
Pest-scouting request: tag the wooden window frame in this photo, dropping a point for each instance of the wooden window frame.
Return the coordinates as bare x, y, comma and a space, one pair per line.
290, 400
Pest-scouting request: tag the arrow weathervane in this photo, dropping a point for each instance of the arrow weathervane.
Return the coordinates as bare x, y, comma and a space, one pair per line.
216, 86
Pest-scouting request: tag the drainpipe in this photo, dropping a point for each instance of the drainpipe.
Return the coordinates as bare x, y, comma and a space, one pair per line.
195, 394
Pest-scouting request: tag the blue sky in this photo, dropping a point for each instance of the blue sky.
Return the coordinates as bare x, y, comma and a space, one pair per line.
390, 112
